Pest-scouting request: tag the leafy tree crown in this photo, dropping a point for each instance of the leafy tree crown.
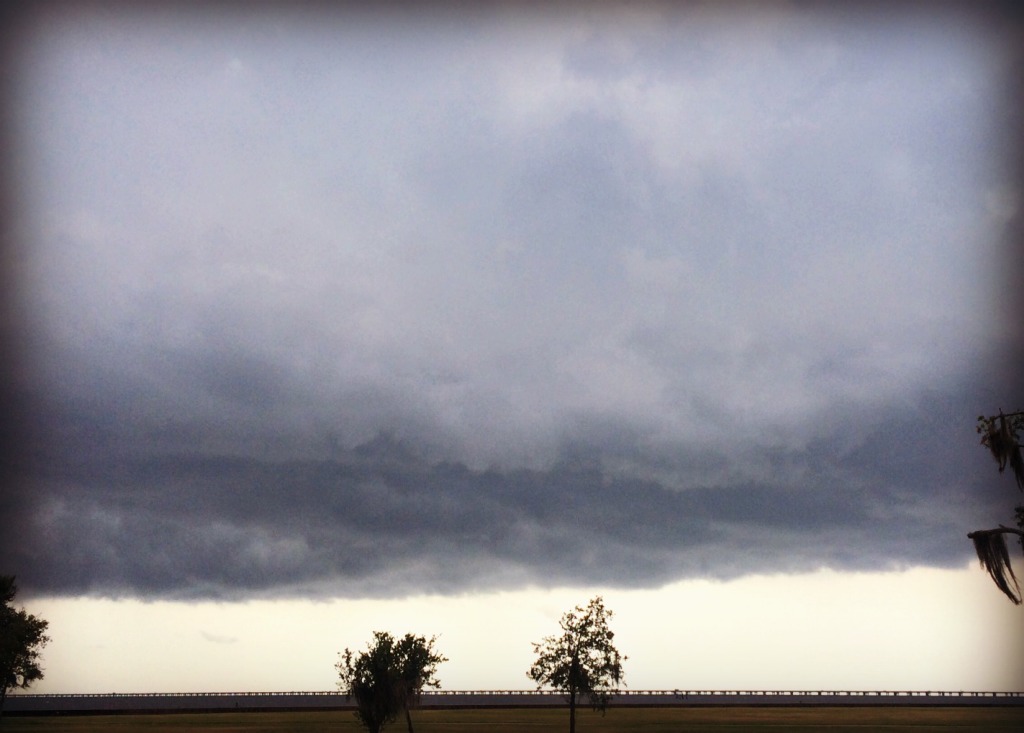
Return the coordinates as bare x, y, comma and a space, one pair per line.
388, 677
582, 660
22, 637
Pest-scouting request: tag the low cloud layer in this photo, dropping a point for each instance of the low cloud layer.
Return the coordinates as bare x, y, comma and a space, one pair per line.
117, 514
366, 308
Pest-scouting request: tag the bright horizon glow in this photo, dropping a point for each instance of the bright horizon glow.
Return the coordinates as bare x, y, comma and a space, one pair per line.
918, 629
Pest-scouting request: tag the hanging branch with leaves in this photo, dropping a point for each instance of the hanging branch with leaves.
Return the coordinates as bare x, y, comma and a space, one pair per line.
1000, 434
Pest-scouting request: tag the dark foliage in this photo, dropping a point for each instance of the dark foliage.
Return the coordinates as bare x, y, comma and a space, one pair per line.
22, 637
388, 677
1000, 434
582, 660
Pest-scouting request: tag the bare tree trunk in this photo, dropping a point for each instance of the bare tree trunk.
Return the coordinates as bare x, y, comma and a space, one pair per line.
408, 718
572, 710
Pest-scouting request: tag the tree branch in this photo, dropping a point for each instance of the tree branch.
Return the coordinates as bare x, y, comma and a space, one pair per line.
1003, 529
993, 556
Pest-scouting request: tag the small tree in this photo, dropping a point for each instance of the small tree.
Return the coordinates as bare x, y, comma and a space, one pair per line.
1001, 435
22, 636
582, 660
388, 678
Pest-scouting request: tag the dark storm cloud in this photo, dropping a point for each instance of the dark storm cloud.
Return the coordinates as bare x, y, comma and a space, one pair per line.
611, 299
124, 514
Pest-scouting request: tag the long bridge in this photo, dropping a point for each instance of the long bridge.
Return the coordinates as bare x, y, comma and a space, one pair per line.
164, 702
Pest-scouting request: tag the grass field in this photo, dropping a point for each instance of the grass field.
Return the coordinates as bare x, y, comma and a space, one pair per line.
660, 720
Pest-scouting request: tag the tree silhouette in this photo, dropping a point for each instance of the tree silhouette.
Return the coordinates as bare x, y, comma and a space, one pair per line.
582, 660
388, 678
22, 636
1001, 435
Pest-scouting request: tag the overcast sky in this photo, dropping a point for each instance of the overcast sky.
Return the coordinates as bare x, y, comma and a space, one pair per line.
367, 305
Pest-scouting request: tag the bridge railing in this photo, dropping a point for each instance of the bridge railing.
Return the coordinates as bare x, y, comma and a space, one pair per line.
542, 693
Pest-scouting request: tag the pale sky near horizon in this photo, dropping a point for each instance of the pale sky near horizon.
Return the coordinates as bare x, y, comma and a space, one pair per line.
445, 320
920, 629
